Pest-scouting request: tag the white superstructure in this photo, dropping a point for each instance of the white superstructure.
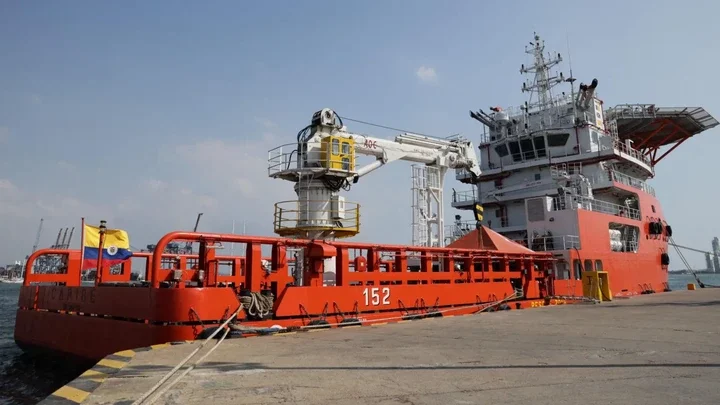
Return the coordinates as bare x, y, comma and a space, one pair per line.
557, 152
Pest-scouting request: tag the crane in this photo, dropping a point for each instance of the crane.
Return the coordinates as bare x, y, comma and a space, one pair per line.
188, 245
37, 237
325, 165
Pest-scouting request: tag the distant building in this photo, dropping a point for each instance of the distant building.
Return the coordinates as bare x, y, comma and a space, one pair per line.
709, 262
716, 254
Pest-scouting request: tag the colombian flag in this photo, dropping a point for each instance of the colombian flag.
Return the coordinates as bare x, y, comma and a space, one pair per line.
116, 247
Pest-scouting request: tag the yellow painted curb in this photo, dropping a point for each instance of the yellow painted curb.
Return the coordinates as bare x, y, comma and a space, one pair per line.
79, 389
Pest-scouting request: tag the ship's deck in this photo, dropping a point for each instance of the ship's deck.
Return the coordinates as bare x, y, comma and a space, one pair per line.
650, 127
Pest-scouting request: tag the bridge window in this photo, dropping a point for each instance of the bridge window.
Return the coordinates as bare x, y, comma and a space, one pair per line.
502, 150
515, 151
588, 265
557, 139
527, 147
598, 265
539, 142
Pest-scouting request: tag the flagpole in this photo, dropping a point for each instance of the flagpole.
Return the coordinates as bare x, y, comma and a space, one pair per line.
98, 274
82, 244
232, 245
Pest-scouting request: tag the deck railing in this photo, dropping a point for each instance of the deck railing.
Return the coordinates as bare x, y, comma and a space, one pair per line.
634, 153
613, 175
464, 196
560, 242
591, 204
256, 270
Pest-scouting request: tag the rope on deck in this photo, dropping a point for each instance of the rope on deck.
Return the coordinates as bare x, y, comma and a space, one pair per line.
140, 400
185, 360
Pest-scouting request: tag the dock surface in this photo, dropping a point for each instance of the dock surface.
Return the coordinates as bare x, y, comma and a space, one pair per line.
650, 349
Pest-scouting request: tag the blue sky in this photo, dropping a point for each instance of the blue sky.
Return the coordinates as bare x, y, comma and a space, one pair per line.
145, 113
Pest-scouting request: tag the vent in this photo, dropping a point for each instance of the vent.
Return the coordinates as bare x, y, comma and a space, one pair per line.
535, 209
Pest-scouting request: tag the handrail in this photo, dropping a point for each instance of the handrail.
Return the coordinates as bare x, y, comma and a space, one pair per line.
595, 205
559, 242
209, 238
464, 196
73, 274
29, 264
634, 153
285, 157
614, 175
324, 218
250, 263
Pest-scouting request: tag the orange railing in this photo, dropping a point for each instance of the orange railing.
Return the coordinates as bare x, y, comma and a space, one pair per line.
352, 264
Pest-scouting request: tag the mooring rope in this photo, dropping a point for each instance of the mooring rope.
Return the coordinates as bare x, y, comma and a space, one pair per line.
687, 264
257, 304
485, 306
185, 360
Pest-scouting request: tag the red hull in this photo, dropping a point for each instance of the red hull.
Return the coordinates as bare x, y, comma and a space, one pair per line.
177, 303
92, 338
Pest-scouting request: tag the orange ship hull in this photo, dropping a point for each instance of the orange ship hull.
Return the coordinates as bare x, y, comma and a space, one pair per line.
631, 272
186, 294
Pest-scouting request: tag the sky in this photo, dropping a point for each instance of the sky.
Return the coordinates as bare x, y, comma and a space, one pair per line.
145, 113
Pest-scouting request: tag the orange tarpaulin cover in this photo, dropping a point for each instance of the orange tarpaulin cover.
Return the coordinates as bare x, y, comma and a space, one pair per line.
491, 240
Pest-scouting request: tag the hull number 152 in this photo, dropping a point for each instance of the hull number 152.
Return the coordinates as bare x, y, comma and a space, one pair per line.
373, 295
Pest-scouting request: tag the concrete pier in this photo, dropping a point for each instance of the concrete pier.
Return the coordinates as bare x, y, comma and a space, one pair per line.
651, 349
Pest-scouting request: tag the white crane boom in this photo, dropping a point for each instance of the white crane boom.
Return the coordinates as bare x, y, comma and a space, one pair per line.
454, 154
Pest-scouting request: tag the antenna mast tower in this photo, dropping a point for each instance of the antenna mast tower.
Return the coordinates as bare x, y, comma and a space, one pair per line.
543, 82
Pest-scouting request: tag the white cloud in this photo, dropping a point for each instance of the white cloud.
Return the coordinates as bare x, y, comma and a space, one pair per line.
21, 210
4, 134
226, 180
426, 74
21, 203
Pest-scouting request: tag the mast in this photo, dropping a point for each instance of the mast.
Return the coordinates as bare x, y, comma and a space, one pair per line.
543, 81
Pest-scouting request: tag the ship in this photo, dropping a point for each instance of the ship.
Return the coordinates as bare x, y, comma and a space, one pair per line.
564, 174
584, 227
